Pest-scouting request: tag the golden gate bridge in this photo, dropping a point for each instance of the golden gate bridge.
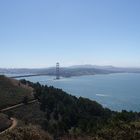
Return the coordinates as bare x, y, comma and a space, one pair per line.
57, 74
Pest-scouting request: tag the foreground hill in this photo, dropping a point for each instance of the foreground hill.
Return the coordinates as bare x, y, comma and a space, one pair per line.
66, 117
12, 92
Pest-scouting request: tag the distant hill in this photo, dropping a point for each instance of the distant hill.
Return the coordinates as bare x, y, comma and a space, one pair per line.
76, 70
109, 68
12, 91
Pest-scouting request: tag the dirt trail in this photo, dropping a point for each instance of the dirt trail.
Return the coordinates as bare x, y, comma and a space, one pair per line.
14, 124
16, 106
14, 120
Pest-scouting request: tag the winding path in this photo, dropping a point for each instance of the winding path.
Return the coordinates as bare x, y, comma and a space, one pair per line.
14, 120
14, 124
16, 106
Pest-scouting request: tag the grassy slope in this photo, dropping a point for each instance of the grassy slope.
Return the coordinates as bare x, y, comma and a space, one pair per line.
26, 133
4, 122
31, 113
12, 92
27, 114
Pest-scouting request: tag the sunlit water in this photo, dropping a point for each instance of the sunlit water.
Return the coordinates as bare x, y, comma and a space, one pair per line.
115, 91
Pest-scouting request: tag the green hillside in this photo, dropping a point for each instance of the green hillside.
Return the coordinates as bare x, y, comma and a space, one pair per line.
65, 117
12, 92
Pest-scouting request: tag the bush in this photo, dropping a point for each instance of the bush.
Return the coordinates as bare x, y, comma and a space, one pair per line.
26, 133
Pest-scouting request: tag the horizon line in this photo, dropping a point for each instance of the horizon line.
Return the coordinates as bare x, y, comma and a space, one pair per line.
70, 66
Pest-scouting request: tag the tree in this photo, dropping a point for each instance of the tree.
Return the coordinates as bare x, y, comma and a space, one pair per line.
25, 100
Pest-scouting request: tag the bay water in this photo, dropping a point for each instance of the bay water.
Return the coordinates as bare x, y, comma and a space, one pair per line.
115, 91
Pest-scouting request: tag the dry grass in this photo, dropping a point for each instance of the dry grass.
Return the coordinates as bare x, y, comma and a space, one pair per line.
12, 92
26, 133
4, 122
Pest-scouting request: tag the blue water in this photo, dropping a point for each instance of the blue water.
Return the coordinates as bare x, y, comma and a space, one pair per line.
115, 91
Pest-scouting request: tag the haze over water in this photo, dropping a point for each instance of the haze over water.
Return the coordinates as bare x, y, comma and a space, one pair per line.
115, 91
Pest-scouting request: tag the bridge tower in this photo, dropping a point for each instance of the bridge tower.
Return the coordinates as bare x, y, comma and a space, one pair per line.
57, 71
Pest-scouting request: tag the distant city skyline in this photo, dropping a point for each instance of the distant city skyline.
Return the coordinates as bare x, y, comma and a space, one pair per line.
39, 33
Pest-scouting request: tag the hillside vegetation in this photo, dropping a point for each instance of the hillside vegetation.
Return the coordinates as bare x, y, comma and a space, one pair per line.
12, 92
26, 133
4, 122
66, 117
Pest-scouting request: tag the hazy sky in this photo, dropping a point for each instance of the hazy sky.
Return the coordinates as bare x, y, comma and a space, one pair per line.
38, 33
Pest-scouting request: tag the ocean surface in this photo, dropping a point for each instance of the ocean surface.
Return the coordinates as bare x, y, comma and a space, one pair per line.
115, 91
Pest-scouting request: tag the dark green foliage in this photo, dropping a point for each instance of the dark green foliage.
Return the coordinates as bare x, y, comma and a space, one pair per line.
68, 115
64, 111
25, 100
